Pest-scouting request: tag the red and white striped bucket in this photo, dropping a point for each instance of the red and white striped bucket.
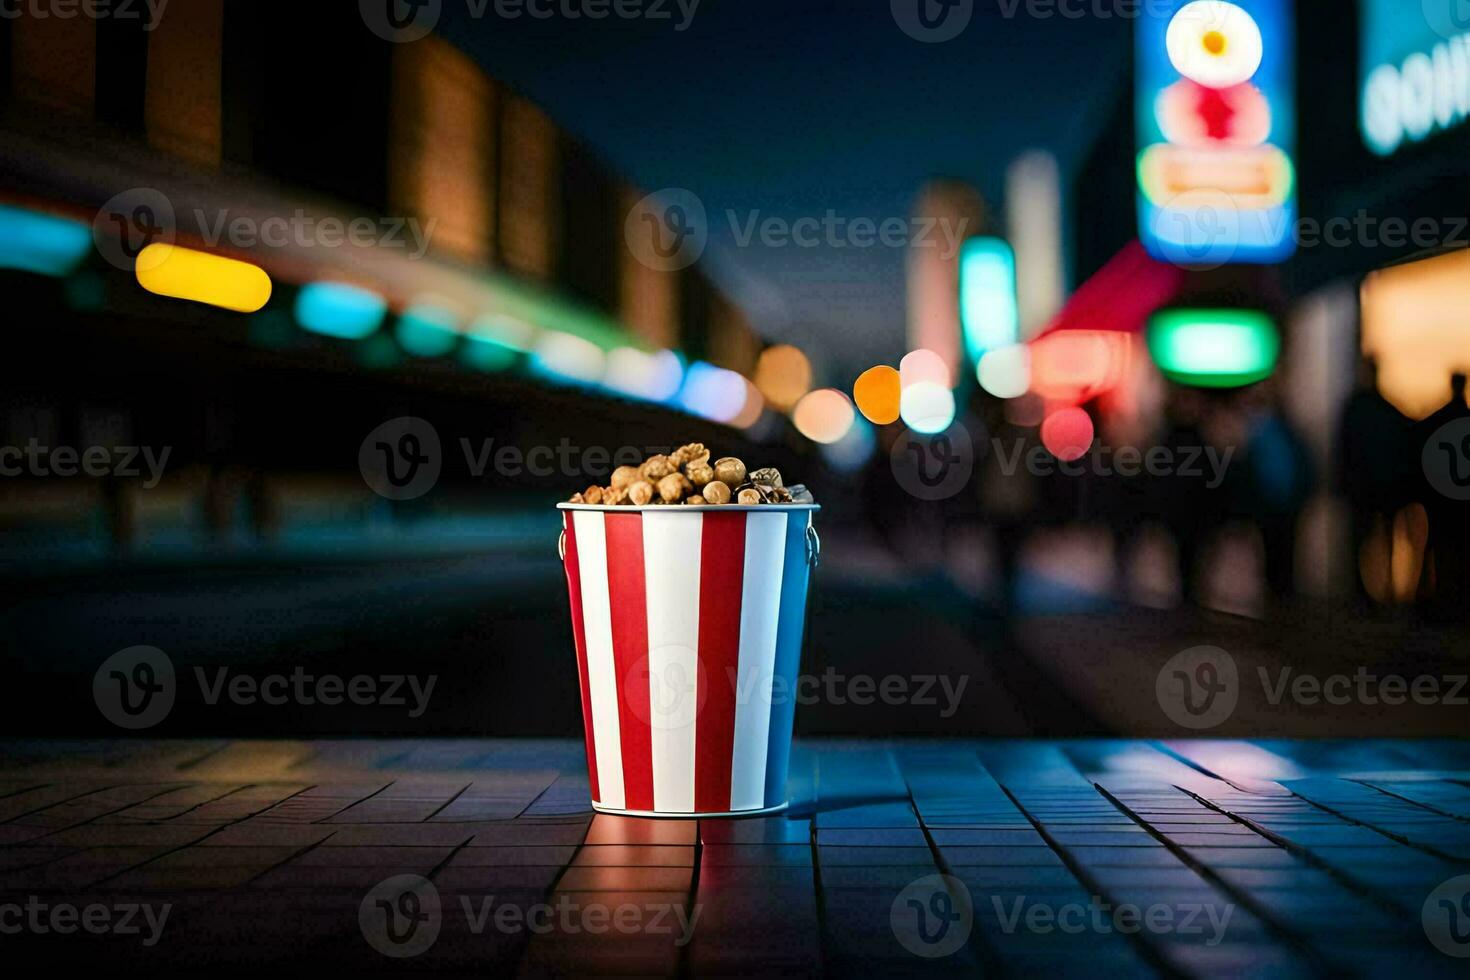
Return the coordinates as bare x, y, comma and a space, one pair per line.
688, 626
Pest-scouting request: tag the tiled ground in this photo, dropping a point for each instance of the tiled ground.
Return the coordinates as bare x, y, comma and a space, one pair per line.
1087, 858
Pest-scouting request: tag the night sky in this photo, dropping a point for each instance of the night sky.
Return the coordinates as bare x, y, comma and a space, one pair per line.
793, 108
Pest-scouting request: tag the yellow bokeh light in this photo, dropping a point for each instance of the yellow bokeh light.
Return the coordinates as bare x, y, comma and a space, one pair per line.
783, 374
182, 273
824, 415
878, 393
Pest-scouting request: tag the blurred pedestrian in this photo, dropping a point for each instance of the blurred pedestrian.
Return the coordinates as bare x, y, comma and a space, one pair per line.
1449, 518
1279, 480
1372, 465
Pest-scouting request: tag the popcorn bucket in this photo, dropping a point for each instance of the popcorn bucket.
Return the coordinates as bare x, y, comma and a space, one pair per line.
688, 626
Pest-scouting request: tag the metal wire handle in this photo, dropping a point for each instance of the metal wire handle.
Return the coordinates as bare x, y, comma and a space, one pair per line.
813, 546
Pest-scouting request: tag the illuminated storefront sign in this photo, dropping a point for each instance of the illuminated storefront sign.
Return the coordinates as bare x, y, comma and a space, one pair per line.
1415, 66
1216, 131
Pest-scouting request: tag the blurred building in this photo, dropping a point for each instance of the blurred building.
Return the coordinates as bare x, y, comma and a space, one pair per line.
349, 170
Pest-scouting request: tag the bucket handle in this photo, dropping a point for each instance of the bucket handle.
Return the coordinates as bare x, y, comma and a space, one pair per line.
813, 546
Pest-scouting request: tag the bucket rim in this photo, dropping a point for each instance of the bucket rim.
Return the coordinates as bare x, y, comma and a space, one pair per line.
691, 508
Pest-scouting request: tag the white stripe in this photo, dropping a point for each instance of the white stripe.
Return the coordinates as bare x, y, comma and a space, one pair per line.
671, 560
760, 611
602, 674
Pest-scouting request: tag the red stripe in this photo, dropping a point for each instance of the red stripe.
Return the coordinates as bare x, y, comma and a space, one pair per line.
721, 583
628, 598
579, 635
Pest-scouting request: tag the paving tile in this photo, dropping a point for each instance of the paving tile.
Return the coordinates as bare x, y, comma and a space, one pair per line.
636, 855
603, 879
770, 855
607, 829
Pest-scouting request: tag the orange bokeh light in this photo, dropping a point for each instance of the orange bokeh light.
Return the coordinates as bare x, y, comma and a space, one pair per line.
878, 393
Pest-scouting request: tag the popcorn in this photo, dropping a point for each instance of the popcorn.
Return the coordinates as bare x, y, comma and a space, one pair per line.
700, 473
673, 487
686, 476
730, 471
694, 452
655, 468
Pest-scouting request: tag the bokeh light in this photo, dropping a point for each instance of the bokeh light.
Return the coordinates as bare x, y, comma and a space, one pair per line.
1067, 433
338, 309
927, 407
878, 391
655, 377
183, 273
783, 374
824, 415
712, 392
1006, 371
923, 365
753, 409
567, 358
427, 329
852, 452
